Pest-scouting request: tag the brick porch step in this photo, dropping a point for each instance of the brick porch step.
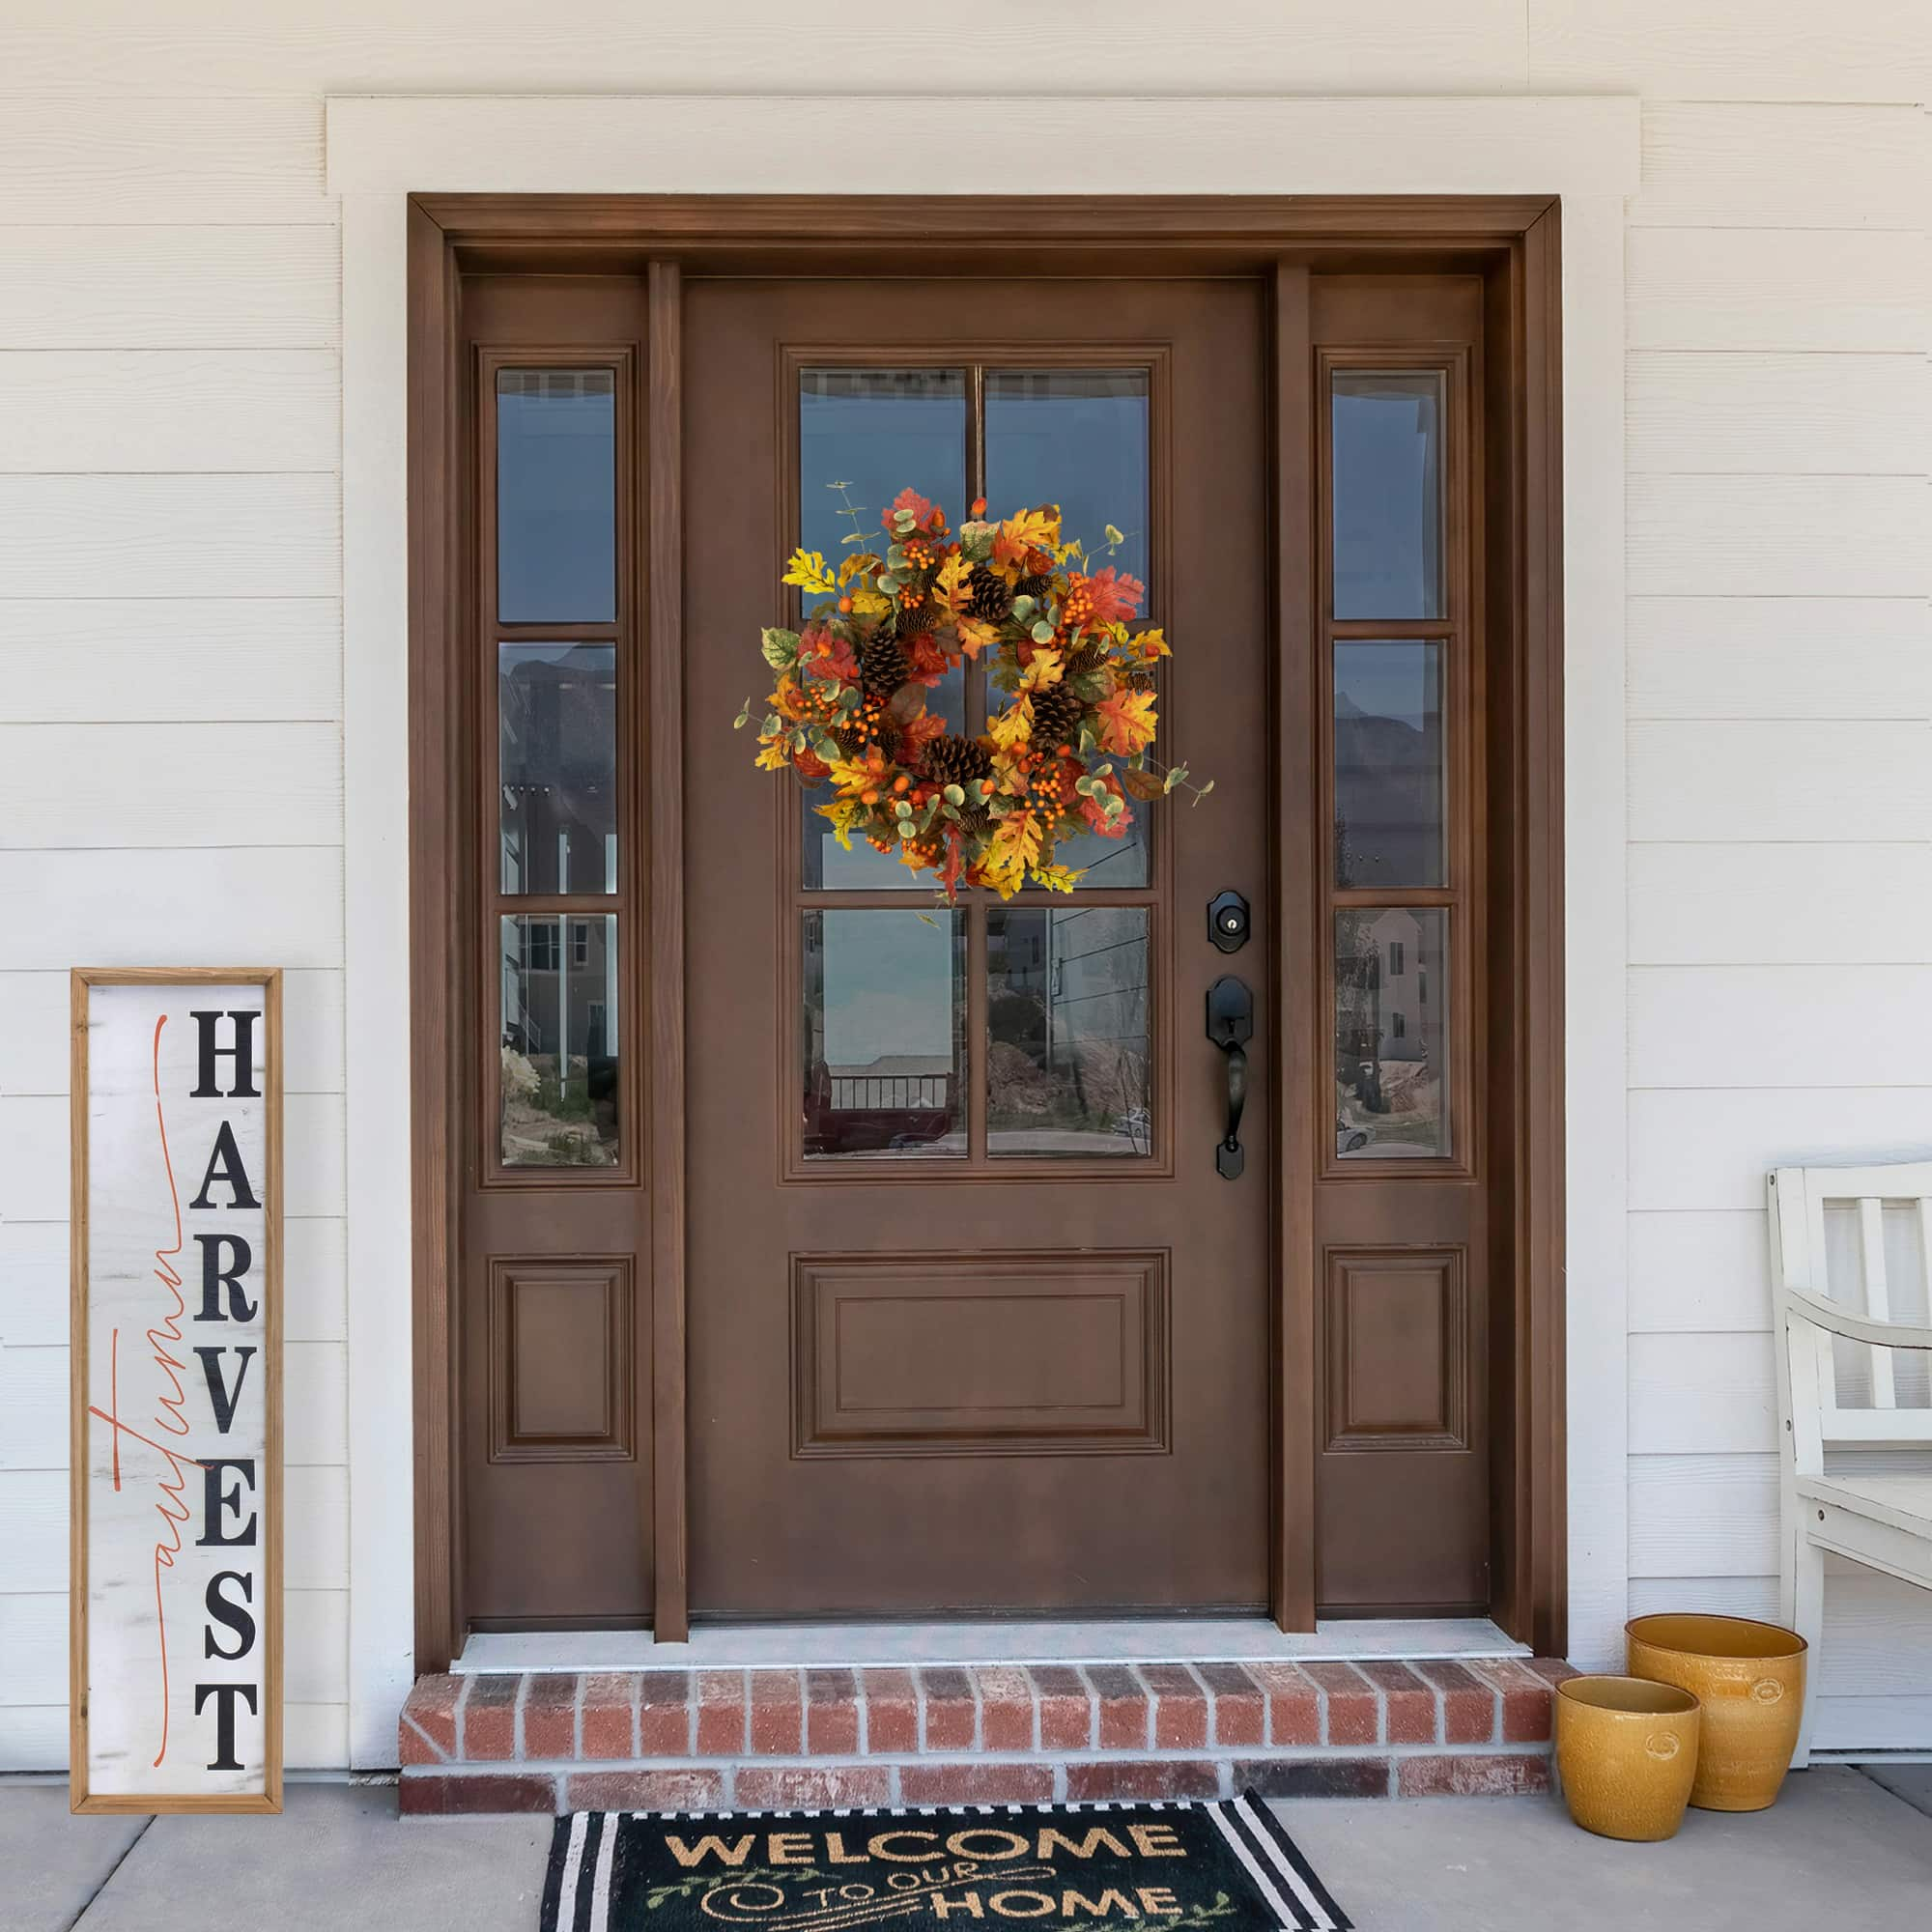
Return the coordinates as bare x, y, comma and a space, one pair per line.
774, 1740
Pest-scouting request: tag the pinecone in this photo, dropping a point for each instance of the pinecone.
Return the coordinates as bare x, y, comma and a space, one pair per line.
960, 761
987, 598
1139, 680
1084, 662
1056, 718
1039, 589
919, 617
882, 664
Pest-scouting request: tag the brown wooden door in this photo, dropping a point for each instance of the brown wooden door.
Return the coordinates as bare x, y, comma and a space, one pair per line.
975, 1324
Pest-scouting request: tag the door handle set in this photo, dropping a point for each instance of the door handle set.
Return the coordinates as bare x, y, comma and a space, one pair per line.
1231, 1025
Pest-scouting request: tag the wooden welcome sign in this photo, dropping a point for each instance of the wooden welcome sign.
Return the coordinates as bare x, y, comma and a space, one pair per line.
176, 1595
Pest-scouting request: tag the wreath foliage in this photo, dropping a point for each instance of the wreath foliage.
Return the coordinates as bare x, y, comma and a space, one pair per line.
1070, 705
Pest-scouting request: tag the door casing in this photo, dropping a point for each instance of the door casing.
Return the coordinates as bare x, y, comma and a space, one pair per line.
1514, 242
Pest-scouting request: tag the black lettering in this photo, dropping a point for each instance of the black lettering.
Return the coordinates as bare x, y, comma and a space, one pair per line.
238, 1619
224, 1695
221, 1399
214, 1499
227, 1156
215, 1278
242, 1053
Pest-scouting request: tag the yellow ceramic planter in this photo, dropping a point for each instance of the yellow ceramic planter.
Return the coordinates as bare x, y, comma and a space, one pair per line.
1626, 1752
1749, 1677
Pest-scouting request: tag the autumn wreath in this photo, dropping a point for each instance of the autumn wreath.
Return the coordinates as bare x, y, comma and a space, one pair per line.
1068, 745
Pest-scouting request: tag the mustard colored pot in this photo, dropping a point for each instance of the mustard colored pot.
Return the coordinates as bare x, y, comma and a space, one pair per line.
1626, 1753
1749, 1677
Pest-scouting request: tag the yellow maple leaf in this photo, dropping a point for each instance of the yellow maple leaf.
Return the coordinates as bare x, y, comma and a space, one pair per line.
1058, 878
809, 569
854, 777
774, 753
974, 635
1045, 669
1126, 722
843, 816
949, 587
1151, 645
1013, 725
870, 602
861, 560
1029, 529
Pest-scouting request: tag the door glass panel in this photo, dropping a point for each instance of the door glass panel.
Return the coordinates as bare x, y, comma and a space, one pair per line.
1077, 438
557, 497
883, 1034
878, 432
1067, 1060
1388, 764
1391, 1032
1386, 431
556, 734
558, 979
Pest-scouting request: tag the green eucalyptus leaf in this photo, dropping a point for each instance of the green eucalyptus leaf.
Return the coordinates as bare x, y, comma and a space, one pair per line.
1042, 633
827, 748
744, 716
955, 795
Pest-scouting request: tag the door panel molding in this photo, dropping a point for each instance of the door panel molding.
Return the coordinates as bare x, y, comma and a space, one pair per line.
1514, 242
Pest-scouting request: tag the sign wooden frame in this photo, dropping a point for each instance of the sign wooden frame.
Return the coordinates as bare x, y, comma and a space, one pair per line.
260, 1610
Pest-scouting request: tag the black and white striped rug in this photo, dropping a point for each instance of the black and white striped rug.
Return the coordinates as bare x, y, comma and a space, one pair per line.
1222, 1868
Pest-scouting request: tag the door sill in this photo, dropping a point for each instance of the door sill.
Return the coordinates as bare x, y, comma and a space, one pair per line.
1117, 1640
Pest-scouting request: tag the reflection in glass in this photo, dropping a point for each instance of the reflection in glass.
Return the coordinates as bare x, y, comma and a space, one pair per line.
557, 736
1077, 438
557, 497
1067, 1064
1391, 1032
558, 975
1388, 764
883, 1038
1387, 445
824, 864
877, 430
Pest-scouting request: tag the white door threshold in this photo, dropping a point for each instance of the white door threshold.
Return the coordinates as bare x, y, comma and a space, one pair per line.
1117, 1640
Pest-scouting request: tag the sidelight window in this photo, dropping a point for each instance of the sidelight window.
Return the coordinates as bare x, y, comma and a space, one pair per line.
555, 626
1397, 635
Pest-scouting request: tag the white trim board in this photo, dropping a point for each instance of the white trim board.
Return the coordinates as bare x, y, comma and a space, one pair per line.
381, 149
862, 1646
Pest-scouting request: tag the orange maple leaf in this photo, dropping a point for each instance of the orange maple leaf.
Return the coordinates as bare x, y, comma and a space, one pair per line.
1126, 722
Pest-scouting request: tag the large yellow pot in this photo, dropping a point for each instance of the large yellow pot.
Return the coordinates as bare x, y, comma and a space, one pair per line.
1749, 1677
1626, 1752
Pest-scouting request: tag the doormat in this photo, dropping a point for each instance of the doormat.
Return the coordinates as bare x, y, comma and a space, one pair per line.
1224, 1867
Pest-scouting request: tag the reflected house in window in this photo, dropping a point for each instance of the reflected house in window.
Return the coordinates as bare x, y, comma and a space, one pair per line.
1388, 1032
559, 1042
1067, 1022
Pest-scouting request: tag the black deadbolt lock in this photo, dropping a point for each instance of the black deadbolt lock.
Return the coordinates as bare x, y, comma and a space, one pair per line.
1228, 921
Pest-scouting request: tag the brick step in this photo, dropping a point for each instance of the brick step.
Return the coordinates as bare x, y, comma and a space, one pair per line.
774, 1740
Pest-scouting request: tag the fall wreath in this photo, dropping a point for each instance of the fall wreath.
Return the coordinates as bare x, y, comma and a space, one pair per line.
1068, 744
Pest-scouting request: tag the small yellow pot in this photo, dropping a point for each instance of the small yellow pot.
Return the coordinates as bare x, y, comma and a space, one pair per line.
1749, 1677
1626, 1752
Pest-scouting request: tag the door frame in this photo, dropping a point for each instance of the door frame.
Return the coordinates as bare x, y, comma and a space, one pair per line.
1514, 242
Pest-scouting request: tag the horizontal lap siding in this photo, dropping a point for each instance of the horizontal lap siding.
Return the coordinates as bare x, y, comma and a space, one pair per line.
1779, 695
170, 747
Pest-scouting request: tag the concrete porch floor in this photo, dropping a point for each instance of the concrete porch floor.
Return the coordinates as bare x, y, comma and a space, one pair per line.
1841, 1848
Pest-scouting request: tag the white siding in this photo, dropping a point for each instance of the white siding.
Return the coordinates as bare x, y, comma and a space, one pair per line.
1781, 741
170, 643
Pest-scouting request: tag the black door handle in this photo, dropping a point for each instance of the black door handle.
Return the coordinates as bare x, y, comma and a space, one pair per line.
1231, 1025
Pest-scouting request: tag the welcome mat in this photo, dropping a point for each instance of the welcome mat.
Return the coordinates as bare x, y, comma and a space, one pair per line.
1224, 1867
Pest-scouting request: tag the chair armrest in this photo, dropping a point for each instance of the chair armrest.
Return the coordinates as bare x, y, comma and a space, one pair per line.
1836, 1320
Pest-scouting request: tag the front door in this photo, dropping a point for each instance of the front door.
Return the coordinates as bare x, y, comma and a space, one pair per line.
975, 1320
976, 1323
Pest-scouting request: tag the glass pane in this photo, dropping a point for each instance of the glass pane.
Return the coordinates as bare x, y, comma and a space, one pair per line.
878, 432
1388, 437
560, 1080
1388, 764
884, 1034
1077, 438
557, 497
1391, 1032
557, 736
1067, 1068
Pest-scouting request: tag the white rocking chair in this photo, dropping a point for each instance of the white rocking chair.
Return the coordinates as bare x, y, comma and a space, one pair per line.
1835, 1278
